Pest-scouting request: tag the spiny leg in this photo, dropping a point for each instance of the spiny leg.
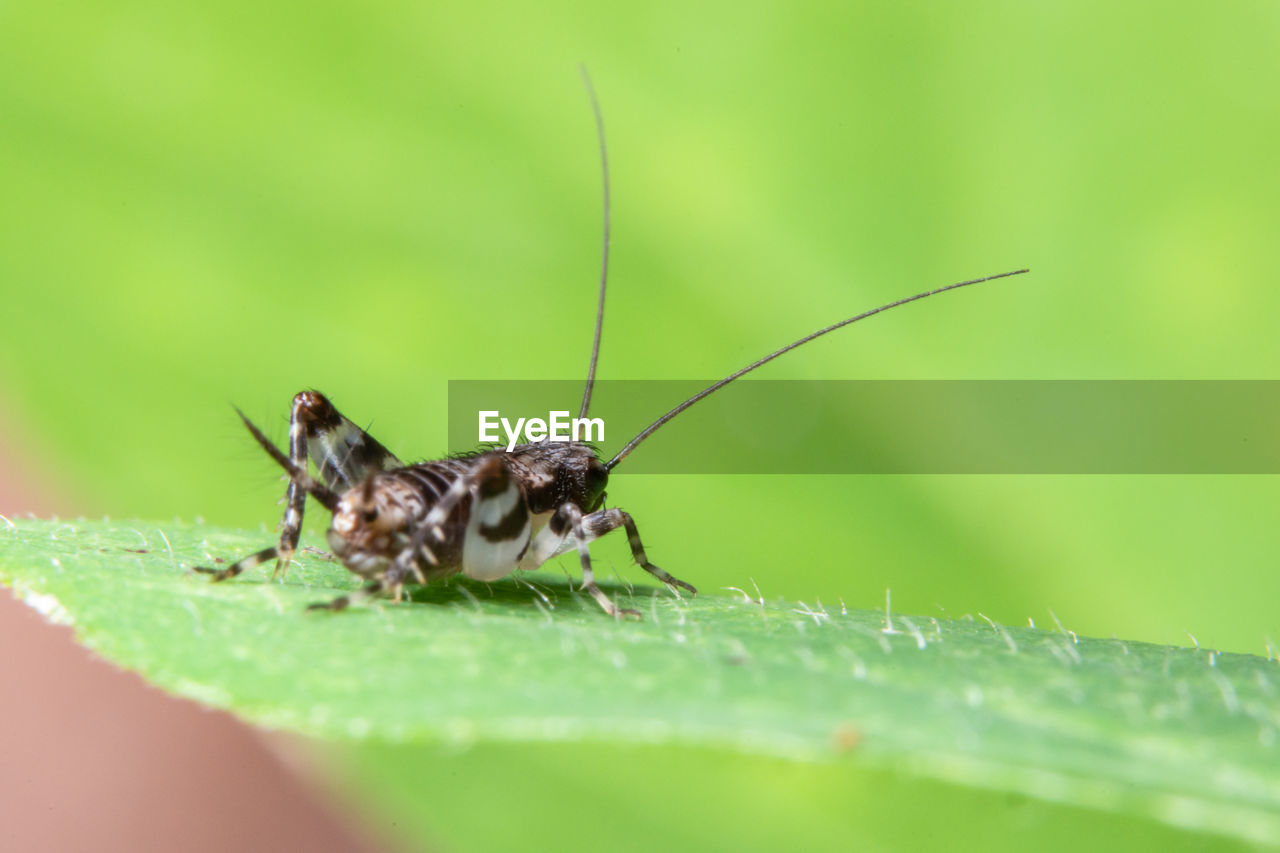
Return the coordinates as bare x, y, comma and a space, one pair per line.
301, 483
295, 497
554, 539
236, 568
407, 560
602, 521
569, 515
343, 453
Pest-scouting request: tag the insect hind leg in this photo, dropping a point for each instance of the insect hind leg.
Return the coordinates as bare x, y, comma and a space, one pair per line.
343, 453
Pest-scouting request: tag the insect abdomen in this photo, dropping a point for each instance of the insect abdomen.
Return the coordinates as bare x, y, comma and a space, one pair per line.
480, 510
431, 483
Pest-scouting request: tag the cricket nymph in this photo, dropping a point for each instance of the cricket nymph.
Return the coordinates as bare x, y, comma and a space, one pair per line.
484, 514
484, 511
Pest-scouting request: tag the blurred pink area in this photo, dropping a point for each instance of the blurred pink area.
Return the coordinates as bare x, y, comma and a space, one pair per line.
92, 758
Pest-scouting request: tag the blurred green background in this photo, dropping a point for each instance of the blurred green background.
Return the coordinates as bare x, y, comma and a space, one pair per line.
206, 204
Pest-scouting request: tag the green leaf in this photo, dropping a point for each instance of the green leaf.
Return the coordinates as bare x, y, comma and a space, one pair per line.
1184, 736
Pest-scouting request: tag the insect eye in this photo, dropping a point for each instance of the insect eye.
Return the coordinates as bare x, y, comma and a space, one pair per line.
597, 477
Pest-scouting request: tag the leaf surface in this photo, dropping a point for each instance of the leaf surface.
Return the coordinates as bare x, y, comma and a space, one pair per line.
1186, 736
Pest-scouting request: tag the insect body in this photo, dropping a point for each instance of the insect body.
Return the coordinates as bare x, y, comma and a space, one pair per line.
483, 515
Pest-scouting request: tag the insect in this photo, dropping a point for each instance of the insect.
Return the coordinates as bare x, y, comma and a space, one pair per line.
484, 514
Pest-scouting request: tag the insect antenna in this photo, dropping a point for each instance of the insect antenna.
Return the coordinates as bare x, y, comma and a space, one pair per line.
604, 255
711, 389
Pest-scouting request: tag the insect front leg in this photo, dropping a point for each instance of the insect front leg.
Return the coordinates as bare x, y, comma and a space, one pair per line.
559, 536
569, 528
570, 520
611, 519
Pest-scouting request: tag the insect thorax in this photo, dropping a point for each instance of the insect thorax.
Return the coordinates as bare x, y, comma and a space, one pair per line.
552, 474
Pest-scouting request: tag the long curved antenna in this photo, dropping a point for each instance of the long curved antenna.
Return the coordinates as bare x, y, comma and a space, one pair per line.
653, 427
604, 256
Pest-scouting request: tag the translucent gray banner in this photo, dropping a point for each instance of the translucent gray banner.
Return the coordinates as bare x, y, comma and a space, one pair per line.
903, 427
